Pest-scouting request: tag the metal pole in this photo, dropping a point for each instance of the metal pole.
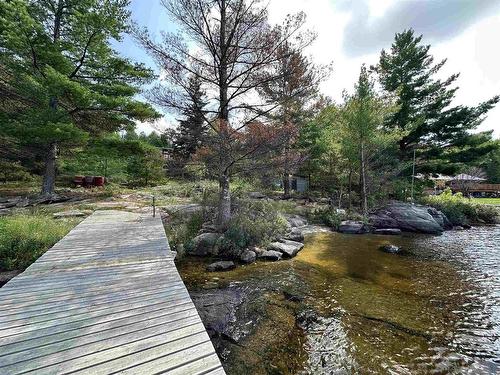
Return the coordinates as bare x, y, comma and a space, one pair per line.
413, 175
154, 206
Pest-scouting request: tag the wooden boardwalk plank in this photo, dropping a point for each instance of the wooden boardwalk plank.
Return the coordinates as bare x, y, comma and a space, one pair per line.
107, 298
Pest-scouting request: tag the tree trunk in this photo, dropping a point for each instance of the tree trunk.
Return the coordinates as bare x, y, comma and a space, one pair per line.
350, 190
286, 186
49, 175
364, 200
224, 209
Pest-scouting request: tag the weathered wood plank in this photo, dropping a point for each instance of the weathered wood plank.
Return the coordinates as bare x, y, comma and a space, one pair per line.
105, 298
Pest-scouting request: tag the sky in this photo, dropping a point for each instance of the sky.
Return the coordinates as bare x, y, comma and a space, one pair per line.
353, 32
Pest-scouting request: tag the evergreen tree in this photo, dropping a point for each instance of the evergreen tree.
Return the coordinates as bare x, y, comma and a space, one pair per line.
425, 117
360, 121
492, 165
189, 136
60, 79
293, 94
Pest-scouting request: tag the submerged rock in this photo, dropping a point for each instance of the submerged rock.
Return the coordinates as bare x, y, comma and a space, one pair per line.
410, 217
248, 256
222, 265
204, 244
391, 249
292, 296
388, 231
270, 255
353, 227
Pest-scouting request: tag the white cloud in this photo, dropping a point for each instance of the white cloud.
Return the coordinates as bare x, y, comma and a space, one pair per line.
472, 51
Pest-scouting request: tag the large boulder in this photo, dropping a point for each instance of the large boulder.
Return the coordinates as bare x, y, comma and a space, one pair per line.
204, 244
353, 227
295, 221
440, 218
410, 217
295, 235
223, 265
248, 256
286, 247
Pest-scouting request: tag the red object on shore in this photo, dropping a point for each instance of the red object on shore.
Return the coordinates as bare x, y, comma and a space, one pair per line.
79, 180
99, 181
89, 181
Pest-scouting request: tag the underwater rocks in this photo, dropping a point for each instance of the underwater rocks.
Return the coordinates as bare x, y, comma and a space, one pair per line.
221, 266
389, 248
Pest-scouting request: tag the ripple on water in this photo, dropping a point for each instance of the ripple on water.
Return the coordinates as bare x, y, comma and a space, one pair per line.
435, 310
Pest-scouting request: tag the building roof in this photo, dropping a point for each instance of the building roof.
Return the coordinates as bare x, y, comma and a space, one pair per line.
467, 177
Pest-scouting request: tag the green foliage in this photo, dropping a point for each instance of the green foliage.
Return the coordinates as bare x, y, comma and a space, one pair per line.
492, 165
181, 233
13, 171
326, 216
146, 168
254, 223
61, 80
460, 210
425, 116
23, 238
192, 130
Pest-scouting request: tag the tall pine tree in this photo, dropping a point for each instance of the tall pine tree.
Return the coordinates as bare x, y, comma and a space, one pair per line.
60, 79
425, 118
189, 135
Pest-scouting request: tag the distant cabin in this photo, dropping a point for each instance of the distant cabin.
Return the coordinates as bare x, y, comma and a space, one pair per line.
298, 183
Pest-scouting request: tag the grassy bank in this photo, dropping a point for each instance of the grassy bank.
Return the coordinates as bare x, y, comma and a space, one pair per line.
493, 201
25, 237
460, 210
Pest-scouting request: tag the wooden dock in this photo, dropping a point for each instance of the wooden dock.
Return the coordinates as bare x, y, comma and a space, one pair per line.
105, 299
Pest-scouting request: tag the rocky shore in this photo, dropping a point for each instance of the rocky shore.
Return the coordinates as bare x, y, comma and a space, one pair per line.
392, 219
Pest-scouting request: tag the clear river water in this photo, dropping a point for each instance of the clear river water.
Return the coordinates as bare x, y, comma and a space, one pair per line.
434, 309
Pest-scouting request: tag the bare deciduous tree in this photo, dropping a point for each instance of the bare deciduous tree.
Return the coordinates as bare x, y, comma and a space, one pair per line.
229, 46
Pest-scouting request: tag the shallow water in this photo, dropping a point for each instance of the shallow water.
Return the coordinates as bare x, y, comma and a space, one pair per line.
433, 310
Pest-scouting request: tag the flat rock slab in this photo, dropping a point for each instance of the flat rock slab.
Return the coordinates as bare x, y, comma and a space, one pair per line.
270, 255
353, 227
105, 299
411, 218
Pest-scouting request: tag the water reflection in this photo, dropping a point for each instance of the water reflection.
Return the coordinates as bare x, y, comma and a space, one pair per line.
434, 309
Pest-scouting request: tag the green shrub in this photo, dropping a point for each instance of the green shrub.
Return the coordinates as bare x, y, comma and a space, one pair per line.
23, 238
180, 233
327, 216
254, 223
460, 210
